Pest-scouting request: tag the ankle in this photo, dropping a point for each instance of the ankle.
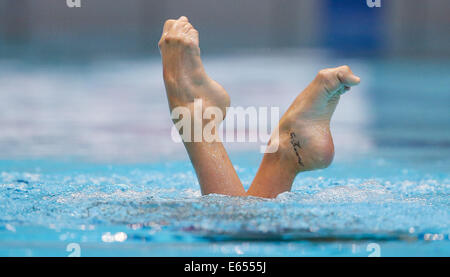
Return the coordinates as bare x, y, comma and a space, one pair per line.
274, 176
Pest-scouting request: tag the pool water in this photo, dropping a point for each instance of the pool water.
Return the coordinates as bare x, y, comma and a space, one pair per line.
87, 166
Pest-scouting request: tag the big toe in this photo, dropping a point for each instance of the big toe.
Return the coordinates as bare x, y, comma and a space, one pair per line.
346, 76
337, 80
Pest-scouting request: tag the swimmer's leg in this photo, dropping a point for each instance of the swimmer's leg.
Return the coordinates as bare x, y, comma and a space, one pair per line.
187, 82
305, 141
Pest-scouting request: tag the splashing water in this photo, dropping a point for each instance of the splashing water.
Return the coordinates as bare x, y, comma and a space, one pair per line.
161, 204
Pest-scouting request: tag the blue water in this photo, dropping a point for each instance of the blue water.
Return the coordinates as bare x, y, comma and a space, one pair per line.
95, 166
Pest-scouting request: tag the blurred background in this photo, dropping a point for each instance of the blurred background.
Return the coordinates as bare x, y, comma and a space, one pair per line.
49, 29
86, 82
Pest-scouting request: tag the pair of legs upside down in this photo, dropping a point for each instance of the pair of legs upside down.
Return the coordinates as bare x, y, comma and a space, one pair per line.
304, 139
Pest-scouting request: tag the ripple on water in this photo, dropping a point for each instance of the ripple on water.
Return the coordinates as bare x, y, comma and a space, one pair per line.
318, 208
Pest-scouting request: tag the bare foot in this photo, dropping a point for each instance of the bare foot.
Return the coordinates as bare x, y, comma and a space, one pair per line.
305, 138
184, 76
186, 82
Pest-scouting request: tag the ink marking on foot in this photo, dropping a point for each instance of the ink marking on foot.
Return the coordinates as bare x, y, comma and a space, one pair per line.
296, 145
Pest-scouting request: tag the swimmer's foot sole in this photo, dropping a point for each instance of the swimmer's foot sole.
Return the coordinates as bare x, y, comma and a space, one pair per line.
185, 78
186, 82
304, 139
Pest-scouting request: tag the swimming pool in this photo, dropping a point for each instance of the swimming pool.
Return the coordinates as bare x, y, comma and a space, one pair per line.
87, 166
